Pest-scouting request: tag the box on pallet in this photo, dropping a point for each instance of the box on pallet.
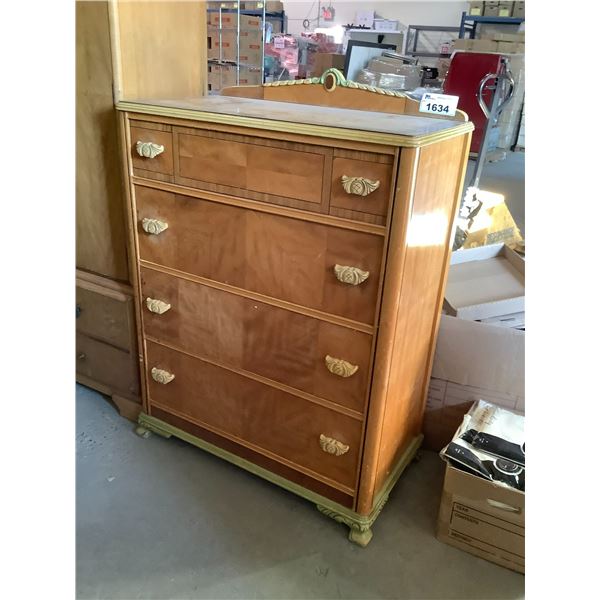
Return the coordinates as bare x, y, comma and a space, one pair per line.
476, 9
511, 47
505, 9
491, 9
222, 46
484, 518
484, 46
229, 20
472, 361
518, 10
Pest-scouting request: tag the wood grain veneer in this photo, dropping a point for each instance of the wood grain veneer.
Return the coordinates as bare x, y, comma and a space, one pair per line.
257, 337
280, 257
266, 419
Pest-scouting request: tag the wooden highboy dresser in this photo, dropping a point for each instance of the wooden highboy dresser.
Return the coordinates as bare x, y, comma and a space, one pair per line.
289, 263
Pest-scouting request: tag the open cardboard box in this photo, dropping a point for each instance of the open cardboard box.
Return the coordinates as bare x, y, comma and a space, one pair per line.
472, 361
485, 282
483, 518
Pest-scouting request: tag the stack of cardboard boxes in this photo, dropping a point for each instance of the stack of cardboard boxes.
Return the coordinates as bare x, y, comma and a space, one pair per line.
505, 43
515, 10
222, 46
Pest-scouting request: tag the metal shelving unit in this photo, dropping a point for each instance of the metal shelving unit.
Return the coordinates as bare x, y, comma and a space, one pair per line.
221, 7
468, 23
412, 40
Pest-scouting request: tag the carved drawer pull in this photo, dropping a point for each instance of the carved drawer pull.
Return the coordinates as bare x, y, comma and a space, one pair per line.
340, 367
154, 226
161, 376
157, 306
350, 275
359, 186
149, 149
332, 446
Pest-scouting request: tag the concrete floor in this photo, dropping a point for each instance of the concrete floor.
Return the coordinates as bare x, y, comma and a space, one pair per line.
505, 177
159, 518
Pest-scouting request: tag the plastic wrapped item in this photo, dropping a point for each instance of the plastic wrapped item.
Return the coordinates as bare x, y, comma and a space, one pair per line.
388, 81
390, 73
490, 443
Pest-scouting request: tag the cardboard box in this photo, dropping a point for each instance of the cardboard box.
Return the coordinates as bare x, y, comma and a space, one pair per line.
476, 9
486, 281
511, 48
222, 46
484, 46
505, 9
501, 36
229, 21
472, 361
518, 10
463, 44
483, 518
327, 60
251, 47
491, 9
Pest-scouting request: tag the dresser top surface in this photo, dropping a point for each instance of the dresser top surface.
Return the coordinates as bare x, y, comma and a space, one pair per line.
396, 129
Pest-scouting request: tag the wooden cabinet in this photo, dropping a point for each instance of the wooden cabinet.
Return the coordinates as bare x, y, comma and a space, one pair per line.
289, 274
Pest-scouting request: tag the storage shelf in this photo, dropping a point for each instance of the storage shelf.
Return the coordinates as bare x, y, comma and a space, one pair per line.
474, 20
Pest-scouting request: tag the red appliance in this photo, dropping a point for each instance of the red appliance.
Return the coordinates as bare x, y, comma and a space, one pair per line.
467, 69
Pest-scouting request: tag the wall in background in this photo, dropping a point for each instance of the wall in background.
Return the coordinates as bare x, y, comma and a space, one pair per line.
408, 13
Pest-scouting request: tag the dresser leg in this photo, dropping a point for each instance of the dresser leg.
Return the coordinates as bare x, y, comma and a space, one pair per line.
360, 537
142, 432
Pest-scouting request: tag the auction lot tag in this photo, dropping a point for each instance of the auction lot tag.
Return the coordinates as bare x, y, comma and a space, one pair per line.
438, 104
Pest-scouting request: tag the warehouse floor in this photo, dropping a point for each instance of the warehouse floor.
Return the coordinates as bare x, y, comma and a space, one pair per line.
159, 518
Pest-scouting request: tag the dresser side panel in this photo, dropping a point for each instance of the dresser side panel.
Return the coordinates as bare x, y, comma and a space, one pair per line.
413, 295
440, 175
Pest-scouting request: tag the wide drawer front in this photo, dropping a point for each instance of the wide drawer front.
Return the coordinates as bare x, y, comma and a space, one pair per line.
104, 315
107, 365
278, 344
327, 268
303, 434
263, 168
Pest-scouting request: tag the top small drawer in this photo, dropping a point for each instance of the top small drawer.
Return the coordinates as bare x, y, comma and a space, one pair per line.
151, 148
360, 185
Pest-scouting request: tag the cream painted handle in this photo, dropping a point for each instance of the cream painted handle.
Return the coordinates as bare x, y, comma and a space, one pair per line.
340, 367
157, 306
350, 275
161, 376
359, 186
149, 149
154, 226
332, 446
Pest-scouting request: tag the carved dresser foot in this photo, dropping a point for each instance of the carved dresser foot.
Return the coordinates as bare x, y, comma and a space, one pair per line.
143, 432
360, 537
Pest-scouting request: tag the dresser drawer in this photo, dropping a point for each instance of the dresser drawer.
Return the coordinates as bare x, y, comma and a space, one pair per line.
105, 314
107, 365
361, 186
151, 149
253, 168
256, 414
277, 256
273, 342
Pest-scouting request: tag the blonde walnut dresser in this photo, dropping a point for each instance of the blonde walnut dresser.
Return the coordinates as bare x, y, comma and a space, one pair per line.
289, 266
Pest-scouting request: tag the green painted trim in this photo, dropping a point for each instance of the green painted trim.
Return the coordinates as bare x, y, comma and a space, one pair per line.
299, 128
360, 524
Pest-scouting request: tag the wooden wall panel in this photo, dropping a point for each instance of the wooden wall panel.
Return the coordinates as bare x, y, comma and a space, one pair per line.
101, 241
160, 48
